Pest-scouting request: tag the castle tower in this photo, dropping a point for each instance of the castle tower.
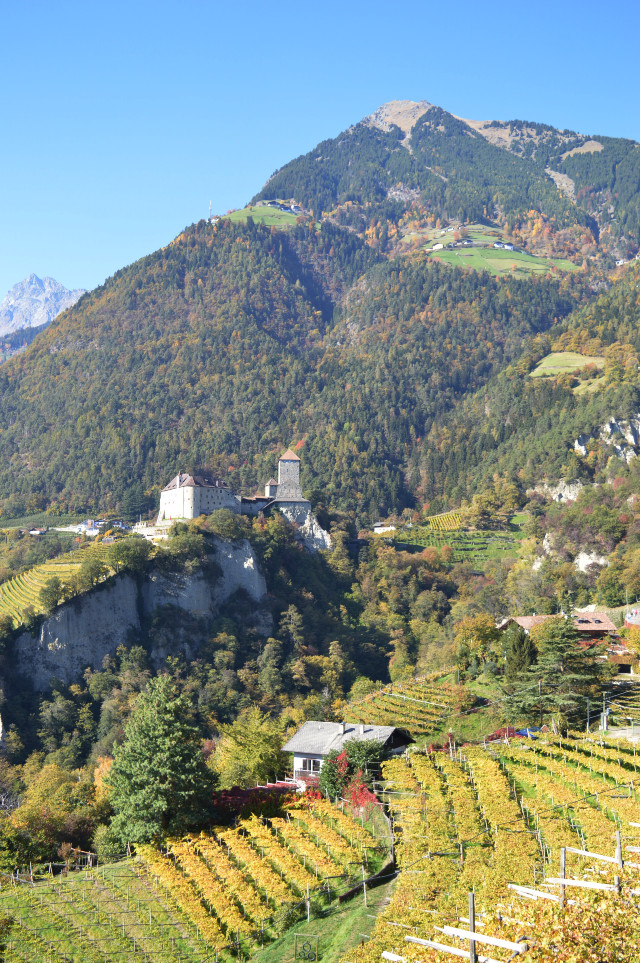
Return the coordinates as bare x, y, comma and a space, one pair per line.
289, 477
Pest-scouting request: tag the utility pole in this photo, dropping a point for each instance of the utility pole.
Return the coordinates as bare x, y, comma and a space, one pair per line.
540, 699
588, 715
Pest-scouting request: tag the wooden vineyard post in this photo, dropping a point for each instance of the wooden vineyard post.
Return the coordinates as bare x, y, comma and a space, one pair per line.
364, 886
472, 926
563, 863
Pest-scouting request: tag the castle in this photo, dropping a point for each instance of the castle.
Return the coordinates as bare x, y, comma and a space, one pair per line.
190, 495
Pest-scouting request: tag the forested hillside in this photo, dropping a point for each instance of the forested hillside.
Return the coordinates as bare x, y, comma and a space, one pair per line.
343, 334
238, 339
526, 427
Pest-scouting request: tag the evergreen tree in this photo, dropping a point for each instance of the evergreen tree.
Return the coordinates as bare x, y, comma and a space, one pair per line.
520, 653
159, 782
565, 674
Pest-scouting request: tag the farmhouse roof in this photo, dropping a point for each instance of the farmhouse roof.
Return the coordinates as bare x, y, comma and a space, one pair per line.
289, 456
591, 622
319, 738
525, 622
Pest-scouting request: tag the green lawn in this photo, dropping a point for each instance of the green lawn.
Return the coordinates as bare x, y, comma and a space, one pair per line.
262, 214
561, 362
342, 928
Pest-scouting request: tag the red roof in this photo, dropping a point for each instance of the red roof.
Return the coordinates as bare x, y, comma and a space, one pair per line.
593, 622
289, 456
527, 622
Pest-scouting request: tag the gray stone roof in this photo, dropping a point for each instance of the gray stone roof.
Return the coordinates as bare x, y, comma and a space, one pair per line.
319, 738
186, 480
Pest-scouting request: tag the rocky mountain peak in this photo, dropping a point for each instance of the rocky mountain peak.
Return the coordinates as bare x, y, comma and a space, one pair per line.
402, 113
33, 302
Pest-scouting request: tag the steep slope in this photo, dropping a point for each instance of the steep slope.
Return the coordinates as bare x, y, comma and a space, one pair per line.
237, 339
34, 302
526, 427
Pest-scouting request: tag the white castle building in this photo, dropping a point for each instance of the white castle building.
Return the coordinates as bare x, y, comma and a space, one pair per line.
189, 495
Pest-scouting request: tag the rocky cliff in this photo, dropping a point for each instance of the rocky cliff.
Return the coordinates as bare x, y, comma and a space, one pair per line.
81, 632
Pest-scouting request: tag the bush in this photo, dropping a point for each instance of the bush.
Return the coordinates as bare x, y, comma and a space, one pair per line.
105, 843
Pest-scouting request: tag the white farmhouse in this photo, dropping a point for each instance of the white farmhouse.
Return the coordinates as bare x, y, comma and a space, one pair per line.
315, 740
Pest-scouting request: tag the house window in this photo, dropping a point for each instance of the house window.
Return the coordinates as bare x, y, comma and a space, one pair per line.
311, 765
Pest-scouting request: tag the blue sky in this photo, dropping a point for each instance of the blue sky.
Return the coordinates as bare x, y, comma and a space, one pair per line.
120, 122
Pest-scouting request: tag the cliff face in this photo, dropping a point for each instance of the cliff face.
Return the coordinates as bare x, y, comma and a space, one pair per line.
80, 633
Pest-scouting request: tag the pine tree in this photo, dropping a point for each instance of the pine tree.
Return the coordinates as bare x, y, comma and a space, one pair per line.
565, 674
520, 653
159, 782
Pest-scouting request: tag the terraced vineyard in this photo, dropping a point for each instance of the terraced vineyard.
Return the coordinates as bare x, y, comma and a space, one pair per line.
418, 705
216, 895
465, 545
447, 522
484, 819
21, 594
625, 707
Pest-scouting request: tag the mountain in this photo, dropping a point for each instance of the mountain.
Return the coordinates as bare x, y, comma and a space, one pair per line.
34, 302
338, 325
472, 171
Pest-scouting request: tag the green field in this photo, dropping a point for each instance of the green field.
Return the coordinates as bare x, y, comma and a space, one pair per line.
499, 262
40, 520
485, 257
262, 214
562, 362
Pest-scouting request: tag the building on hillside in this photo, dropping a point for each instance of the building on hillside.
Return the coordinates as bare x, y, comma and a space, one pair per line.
315, 740
593, 626
187, 496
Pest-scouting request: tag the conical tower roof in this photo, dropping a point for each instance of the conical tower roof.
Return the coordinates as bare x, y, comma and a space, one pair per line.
289, 456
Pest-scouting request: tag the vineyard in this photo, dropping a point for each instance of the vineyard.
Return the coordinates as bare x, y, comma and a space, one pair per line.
482, 820
447, 522
21, 595
215, 895
419, 705
625, 706
471, 546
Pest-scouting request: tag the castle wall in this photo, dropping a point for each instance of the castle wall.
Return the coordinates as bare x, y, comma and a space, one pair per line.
207, 500
176, 503
190, 502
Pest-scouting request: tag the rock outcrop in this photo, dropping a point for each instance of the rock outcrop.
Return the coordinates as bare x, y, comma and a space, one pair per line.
622, 436
308, 528
561, 491
81, 632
